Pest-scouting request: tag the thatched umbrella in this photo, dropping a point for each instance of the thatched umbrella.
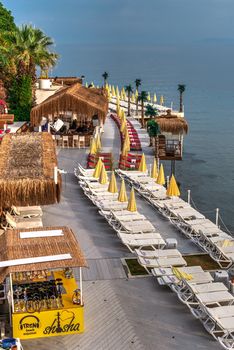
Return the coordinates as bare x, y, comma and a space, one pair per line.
27, 167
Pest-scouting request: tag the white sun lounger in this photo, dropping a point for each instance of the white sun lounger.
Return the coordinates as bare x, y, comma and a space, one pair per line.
161, 262
132, 241
136, 226
158, 272
156, 253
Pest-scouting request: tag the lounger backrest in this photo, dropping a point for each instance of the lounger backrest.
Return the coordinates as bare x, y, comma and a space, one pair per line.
15, 210
10, 220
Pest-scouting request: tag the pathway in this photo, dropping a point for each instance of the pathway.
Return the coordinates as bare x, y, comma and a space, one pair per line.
120, 313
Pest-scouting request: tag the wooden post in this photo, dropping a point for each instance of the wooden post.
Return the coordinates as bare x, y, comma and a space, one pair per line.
81, 288
56, 175
189, 196
217, 217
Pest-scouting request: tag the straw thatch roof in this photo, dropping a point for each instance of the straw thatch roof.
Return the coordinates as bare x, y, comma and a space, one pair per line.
13, 247
85, 102
66, 80
27, 162
172, 123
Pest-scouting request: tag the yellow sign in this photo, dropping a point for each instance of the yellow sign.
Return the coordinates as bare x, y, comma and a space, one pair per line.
48, 323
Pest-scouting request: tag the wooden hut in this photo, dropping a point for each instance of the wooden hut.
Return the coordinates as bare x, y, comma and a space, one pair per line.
27, 166
68, 81
169, 145
74, 101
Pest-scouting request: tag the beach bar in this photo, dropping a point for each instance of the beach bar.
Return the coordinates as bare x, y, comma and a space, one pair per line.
72, 114
36, 272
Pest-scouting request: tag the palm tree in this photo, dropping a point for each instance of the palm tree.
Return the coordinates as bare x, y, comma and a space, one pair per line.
105, 76
137, 83
181, 89
152, 126
142, 97
129, 90
30, 47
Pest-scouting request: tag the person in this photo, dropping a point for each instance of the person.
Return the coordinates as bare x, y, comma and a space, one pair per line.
153, 129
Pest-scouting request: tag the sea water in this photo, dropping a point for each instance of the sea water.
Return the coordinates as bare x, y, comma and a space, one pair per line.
207, 168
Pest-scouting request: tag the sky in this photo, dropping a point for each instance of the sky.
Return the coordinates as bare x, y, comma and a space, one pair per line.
128, 22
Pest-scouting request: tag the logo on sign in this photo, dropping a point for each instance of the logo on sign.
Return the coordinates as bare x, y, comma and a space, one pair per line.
63, 323
29, 324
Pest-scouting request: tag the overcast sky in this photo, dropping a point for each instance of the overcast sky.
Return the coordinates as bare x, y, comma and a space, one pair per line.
128, 22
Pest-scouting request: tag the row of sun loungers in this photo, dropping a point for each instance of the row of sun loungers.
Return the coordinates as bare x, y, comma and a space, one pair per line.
208, 301
203, 232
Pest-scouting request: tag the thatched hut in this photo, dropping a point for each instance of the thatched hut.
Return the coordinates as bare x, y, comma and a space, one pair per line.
171, 123
27, 163
169, 145
13, 247
84, 103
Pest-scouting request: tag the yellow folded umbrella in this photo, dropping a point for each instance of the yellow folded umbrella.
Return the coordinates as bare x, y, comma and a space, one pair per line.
154, 171
162, 100
161, 176
142, 165
117, 91
122, 193
133, 98
132, 202
148, 97
126, 147
103, 179
136, 94
113, 91
173, 190
98, 142
155, 98
113, 185
98, 168
123, 124
93, 147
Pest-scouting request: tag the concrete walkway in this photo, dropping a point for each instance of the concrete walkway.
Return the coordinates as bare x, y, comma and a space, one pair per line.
120, 313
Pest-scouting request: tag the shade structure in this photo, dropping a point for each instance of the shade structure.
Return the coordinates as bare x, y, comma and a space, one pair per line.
13, 247
142, 165
112, 188
173, 190
122, 193
148, 97
132, 202
155, 98
161, 176
98, 142
117, 91
136, 94
28, 170
162, 100
93, 147
154, 171
103, 179
133, 98
82, 101
98, 168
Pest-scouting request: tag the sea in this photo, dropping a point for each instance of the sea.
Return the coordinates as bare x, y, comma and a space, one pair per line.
207, 71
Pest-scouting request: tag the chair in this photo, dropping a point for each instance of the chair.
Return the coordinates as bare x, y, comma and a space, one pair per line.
27, 212
75, 141
19, 222
65, 141
59, 140
81, 142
